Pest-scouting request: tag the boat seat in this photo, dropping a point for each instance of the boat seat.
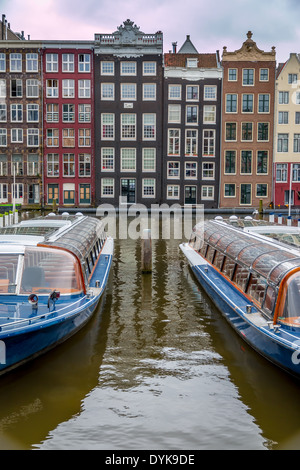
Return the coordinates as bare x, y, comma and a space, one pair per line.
33, 276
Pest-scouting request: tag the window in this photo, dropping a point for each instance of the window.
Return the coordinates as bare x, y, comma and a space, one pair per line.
283, 117
16, 88
296, 172
3, 113
208, 143
262, 190
248, 76
84, 164
174, 92
207, 192
296, 97
68, 164
292, 78
52, 164
247, 104
68, 62
173, 191
32, 113
52, 137
191, 142
149, 91
2, 88
52, 88
149, 68
264, 75
173, 141
84, 63
149, 126
107, 187
245, 194
247, 131
84, 113
32, 88
283, 143
173, 169
3, 165
230, 131
84, 137
262, 162
296, 142
232, 75
281, 172
52, 113
231, 103
3, 137
191, 62
53, 192
263, 103
32, 62
51, 63
174, 113
283, 97
68, 88
68, 137
209, 114
68, 111
230, 162
107, 68
2, 62
192, 93
191, 115
210, 92
32, 165
149, 157
84, 88
107, 91
263, 131
17, 165
128, 159
107, 126
17, 190
128, 91
108, 159
148, 187
16, 135
190, 170
128, 126
246, 162
84, 193
15, 62
3, 192
208, 171
32, 137
297, 117
16, 112
128, 68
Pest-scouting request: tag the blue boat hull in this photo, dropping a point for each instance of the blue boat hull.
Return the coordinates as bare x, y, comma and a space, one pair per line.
19, 345
282, 349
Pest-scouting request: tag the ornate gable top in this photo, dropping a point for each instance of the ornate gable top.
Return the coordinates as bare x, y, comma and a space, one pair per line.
248, 51
129, 34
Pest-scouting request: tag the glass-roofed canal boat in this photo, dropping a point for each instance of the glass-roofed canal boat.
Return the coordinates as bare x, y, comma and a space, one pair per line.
251, 272
53, 272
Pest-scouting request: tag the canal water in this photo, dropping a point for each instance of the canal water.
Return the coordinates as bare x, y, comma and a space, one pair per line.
157, 367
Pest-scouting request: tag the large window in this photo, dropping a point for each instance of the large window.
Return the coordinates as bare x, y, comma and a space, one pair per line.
128, 68
281, 172
32, 137
230, 131
68, 137
107, 159
68, 88
148, 187
52, 88
231, 103
51, 63
263, 103
173, 141
16, 112
191, 142
208, 143
107, 126
32, 62
262, 162
246, 161
68, 112
16, 62
84, 113
128, 91
16, 88
32, 88
107, 187
209, 114
107, 91
128, 126
174, 113
191, 114
128, 159
149, 159
245, 193
68, 62
84, 137
263, 131
149, 126
32, 113
52, 112
247, 104
230, 162
84, 63
283, 143
68, 164
248, 76
52, 164
84, 88
52, 137
173, 170
84, 164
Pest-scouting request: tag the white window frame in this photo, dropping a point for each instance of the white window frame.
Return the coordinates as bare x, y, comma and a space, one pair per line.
107, 91
32, 112
32, 88
51, 62
173, 191
16, 135
148, 187
84, 112
67, 61
108, 119
128, 91
149, 159
128, 159
32, 62
107, 183
33, 137
15, 61
174, 91
127, 126
149, 68
106, 64
128, 68
107, 159
84, 63
84, 88
68, 88
149, 126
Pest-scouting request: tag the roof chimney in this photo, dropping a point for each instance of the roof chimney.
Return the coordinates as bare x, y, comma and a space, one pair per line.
174, 44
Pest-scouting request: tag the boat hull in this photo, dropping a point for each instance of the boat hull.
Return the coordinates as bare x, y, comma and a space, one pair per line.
282, 348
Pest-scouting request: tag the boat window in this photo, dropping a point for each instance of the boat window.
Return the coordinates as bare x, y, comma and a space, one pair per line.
290, 314
241, 276
203, 249
218, 261
228, 267
46, 269
256, 287
270, 299
8, 272
210, 254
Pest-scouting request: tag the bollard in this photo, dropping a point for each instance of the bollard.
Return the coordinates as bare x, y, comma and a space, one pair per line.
16, 217
289, 220
271, 217
146, 251
1, 220
280, 218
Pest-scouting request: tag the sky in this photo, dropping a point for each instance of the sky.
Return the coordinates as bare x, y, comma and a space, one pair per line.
211, 24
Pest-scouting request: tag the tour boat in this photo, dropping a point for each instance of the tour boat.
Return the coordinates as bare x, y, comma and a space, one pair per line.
252, 274
53, 272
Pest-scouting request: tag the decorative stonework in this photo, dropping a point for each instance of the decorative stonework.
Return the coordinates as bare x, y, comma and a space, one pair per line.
248, 52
